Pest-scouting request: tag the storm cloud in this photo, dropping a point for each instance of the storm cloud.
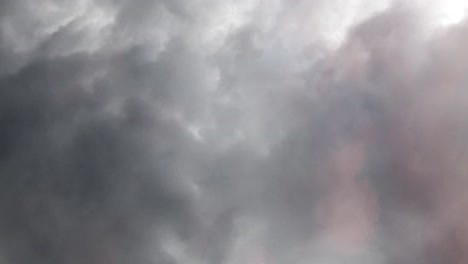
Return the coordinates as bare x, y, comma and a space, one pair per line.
248, 131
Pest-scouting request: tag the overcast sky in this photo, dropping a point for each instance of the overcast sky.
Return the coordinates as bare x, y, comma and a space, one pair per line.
233, 132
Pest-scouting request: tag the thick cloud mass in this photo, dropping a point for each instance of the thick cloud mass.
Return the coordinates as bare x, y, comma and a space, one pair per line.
233, 131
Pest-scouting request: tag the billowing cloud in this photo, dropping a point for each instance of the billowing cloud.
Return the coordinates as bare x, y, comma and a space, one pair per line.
252, 131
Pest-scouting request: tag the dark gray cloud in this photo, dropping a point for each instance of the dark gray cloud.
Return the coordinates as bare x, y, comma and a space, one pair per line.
231, 132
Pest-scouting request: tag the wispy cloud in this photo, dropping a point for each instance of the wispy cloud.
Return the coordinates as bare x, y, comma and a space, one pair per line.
262, 131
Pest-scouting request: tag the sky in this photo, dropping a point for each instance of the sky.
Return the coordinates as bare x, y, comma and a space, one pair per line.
233, 131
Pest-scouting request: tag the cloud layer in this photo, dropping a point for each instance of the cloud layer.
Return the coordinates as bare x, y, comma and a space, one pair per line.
251, 131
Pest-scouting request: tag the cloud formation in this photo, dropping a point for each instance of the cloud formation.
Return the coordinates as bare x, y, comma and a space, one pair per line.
251, 131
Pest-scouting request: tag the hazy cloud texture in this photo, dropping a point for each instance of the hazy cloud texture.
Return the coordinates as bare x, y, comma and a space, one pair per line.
233, 131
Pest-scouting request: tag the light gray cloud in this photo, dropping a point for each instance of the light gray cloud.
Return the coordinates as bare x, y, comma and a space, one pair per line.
232, 132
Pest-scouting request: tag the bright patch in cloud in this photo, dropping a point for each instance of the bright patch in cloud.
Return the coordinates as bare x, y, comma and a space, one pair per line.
451, 11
